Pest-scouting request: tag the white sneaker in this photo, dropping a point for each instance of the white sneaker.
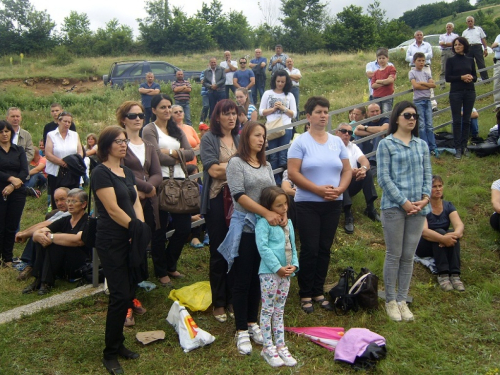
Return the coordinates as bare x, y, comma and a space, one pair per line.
286, 356
256, 334
392, 310
243, 342
271, 356
406, 314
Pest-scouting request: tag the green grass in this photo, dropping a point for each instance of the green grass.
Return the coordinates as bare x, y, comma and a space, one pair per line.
453, 333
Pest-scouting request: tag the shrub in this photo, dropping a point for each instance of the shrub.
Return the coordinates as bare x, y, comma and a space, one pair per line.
61, 56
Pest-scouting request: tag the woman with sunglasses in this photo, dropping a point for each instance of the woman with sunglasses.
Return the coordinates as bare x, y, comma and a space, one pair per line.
192, 136
119, 212
61, 143
405, 175
461, 73
169, 142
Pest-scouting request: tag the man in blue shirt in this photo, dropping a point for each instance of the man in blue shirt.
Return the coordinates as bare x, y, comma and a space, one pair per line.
244, 78
258, 66
147, 90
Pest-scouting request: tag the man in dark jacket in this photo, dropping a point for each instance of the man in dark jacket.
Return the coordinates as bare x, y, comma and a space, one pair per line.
215, 82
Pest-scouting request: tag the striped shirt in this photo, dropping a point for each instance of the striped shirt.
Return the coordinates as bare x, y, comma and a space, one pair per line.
404, 172
181, 95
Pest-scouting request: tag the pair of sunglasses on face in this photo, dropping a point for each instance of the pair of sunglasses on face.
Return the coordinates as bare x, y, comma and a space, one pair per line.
344, 131
133, 116
408, 115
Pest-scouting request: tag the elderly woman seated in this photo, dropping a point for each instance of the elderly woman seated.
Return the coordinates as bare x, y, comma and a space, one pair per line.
441, 243
59, 248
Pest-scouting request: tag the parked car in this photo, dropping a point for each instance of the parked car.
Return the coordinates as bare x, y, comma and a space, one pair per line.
134, 71
433, 40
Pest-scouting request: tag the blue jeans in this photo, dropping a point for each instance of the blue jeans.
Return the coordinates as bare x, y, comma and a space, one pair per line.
296, 94
425, 128
260, 86
37, 180
385, 105
474, 127
187, 110
401, 233
461, 99
205, 108
214, 97
147, 115
280, 158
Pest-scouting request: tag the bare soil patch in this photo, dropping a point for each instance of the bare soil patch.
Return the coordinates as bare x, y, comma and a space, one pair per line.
49, 86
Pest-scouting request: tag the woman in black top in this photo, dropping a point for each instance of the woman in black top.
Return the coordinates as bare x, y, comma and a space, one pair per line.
117, 206
461, 73
13, 172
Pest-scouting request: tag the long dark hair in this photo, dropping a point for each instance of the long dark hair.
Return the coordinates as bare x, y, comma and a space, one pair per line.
288, 83
396, 112
172, 128
4, 124
223, 106
106, 139
244, 145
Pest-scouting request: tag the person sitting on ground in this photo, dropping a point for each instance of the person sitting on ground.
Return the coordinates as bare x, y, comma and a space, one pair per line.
474, 125
59, 246
28, 255
362, 179
441, 243
495, 201
38, 177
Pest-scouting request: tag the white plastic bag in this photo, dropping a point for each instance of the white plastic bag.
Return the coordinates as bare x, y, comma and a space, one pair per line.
190, 336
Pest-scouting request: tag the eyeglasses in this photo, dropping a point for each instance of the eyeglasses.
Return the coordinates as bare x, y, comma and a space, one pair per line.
73, 201
243, 62
122, 141
408, 115
176, 112
344, 131
133, 116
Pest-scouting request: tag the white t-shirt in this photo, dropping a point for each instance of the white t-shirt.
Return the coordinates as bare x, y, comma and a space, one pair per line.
270, 97
354, 154
139, 151
229, 75
62, 148
168, 142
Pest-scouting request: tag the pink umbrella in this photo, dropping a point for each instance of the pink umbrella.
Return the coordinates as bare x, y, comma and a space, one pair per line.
327, 337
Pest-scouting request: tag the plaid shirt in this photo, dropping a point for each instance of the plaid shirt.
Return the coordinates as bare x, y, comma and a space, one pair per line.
404, 172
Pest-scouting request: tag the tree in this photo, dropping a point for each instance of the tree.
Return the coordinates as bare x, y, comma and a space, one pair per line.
154, 28
393, 33
114, 40
270, 11
189, 34
77, 33
377, 14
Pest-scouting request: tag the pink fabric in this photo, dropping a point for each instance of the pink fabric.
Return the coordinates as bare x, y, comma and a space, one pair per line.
354, 343
327, 337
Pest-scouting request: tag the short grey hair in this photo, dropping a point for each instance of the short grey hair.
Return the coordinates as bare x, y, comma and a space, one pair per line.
450, 23
418, 31
79, 194
469, 18
343, 124
12, 109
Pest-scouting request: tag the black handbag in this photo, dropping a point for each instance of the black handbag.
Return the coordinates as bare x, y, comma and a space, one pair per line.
342, 300
365, 289
90, 229
179, 196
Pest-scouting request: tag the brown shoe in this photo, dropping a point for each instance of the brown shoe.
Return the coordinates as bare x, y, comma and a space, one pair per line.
129, 319
25, 274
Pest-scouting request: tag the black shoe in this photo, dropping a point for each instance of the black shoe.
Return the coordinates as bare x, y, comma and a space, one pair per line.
372, 214
44, 289
127, 353
324, 304
308, 309
465, 152
349, 225
458, 154
32, 287
113, 366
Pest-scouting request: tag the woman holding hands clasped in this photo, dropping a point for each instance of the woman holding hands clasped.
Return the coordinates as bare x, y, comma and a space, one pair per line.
318, 164
405, 176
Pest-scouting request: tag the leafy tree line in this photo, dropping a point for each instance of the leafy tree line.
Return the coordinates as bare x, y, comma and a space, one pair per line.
302, 26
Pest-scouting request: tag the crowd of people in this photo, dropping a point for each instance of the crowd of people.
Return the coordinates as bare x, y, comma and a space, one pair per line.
252, 216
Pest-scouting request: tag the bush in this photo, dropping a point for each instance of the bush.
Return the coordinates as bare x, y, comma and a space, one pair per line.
61, 56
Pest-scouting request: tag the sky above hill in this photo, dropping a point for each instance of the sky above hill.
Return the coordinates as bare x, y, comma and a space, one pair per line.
100, 12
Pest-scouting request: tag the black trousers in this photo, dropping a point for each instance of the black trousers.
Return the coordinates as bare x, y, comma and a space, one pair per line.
461, 124
447, 258
317, 223
10, 216
355, 187
495, 221
56, 260
221, 282
165, 261
476, 52
246, 291
114, 254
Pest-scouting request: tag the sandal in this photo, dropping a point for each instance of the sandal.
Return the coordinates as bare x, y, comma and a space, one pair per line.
323, 303
174, 275
198, 245
222, 318
305, 308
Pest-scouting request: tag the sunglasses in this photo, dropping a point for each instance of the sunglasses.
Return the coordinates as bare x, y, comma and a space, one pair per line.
133, 116
408, 115
122, 141
243, 62
345, 131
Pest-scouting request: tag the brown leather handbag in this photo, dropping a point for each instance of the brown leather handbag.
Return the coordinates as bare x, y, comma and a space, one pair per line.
179, 196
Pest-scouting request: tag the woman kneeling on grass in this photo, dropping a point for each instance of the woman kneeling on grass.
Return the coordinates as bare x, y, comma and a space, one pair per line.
441, 243
405, 176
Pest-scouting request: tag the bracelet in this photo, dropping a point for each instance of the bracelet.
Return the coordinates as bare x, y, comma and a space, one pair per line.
425, 196
13, 186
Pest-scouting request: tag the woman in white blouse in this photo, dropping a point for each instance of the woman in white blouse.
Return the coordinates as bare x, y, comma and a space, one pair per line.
60, 143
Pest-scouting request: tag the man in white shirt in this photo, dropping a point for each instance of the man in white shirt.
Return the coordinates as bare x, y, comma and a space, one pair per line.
496, 83
295, 76
477, 40
230, 66
446, 42
420, 46
21, 138
362, 179
371, 68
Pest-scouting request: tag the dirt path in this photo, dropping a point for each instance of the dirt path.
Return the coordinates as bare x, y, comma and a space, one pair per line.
49, 86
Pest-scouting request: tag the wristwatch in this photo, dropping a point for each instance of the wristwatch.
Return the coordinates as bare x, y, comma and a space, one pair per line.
366, 128
170, 152
364, 167
52, 237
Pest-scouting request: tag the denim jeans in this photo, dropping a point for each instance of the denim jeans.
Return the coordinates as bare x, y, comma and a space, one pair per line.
401, 233
205, 108
260, 86
187, 110
214, 97
385, 105
147, 115
461, 99
474, 127
36, 180
280, 158
296, 94
425, 128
